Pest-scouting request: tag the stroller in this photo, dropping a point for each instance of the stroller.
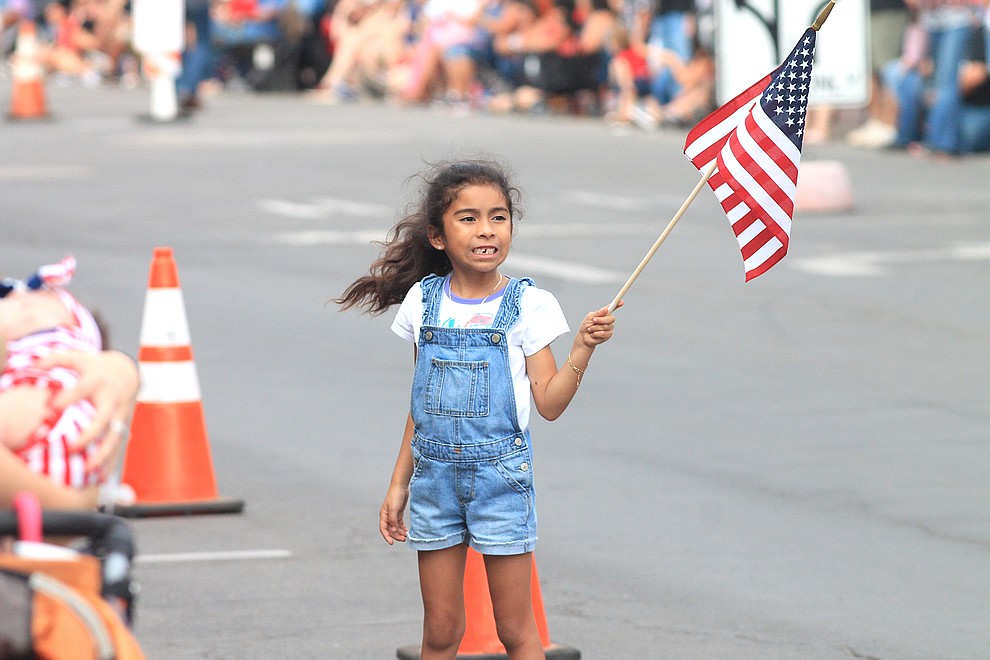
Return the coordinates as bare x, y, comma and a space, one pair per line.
57, 602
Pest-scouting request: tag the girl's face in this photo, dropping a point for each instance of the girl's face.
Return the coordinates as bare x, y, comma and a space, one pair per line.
477, 230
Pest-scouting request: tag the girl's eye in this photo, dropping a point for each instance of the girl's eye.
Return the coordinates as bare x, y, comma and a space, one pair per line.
499, 218
467, 218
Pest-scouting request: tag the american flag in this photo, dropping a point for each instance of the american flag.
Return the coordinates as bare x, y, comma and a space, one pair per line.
755, 140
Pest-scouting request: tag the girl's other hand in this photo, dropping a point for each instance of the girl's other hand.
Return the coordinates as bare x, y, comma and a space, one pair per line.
390, 518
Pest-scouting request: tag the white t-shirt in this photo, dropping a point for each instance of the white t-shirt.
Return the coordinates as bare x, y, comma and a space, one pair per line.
540, 322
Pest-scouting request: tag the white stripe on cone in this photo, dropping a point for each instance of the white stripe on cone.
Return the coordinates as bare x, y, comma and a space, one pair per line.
164, 321
168, 382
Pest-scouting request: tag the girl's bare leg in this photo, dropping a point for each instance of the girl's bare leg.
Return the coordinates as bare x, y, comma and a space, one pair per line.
441, 580
510, 583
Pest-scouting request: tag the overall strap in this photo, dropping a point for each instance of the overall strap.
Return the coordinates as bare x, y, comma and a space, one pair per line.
509, 310
432, 286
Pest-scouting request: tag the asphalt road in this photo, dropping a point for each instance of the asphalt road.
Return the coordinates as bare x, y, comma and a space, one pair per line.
796, 467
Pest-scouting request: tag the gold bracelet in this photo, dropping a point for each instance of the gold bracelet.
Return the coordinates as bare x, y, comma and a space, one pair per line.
579, 372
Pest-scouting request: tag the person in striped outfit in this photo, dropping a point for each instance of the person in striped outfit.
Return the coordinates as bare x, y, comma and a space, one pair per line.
39, 318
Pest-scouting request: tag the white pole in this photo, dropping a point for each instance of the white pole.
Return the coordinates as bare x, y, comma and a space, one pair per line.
159, 36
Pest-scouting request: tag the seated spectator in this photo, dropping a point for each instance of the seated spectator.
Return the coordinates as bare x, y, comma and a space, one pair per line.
71, 43
36, 319
672, 43
974, 84
110, 22
949, 25
498, 72
312, 52
240, 27
915, 86
906, 76
562, 53
441, 62
629, 71
108, 379
692, 92
888, 20
63, 402
368, 40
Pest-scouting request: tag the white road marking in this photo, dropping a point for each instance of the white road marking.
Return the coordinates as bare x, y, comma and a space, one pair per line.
585, 229
874, 264
565, 270
16, 173
312, 237
222, 555
323, 207
622, 202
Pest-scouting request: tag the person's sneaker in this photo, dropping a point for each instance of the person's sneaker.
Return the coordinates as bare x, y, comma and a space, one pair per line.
644, 119
872, 135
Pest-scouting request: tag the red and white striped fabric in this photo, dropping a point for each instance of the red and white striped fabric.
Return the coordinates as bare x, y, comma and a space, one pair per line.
51, 450
59, 274
755, 141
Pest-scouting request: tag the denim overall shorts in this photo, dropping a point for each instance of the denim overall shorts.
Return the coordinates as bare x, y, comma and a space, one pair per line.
472, 478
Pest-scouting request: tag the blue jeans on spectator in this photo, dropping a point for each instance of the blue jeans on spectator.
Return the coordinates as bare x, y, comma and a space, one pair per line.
669, 32
975, 128
197, 59
909, 88
943, 126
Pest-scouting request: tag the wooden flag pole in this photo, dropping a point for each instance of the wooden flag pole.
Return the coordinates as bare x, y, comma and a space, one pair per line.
663, 236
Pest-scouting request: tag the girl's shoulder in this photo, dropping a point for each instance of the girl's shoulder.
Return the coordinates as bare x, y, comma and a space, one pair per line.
532, 297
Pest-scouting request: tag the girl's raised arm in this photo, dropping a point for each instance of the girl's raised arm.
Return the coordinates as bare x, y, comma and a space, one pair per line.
553, 387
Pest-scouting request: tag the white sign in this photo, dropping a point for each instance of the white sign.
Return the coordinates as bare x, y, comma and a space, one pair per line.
752, 37
159, 25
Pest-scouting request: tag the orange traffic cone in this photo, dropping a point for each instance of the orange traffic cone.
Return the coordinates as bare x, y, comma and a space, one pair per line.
27, 100
167, 462
480, 640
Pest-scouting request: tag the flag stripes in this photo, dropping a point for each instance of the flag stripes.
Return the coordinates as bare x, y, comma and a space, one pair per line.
755, 142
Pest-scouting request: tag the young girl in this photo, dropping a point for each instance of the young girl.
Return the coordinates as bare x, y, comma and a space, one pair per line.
465, 466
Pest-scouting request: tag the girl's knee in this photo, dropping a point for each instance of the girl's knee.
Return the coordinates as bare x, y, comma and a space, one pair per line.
443, 632
518, 632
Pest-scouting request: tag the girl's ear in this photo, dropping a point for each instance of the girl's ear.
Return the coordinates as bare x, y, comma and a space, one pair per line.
436, 240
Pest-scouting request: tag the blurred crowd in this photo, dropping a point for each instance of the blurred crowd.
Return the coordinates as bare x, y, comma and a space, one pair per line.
642, 63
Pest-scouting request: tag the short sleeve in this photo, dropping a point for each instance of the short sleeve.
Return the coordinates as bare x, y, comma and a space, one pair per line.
410, 315
544, 320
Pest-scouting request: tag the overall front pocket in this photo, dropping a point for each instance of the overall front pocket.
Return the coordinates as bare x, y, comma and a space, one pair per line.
457, 388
